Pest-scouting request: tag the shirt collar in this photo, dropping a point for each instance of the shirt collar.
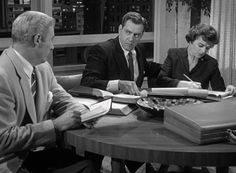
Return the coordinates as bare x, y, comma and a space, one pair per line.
28, 68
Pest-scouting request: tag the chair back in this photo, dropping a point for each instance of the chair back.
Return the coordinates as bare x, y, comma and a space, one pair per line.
69, 81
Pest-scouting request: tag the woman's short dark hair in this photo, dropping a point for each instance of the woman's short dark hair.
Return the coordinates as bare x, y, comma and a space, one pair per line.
135, 18
207, 32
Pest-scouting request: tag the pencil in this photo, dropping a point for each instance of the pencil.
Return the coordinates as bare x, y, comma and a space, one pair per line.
187, 77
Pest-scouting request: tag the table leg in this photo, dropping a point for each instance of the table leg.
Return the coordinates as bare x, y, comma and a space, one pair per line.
117, 166
224, 169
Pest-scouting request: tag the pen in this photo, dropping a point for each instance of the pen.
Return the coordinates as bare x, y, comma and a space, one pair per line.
188, 77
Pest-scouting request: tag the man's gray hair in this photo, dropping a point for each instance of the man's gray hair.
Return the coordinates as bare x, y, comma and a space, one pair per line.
30, 23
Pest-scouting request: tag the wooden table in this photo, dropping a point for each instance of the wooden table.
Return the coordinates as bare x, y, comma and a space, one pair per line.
142, 137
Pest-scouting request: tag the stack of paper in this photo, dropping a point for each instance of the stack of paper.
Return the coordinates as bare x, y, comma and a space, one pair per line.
202, 123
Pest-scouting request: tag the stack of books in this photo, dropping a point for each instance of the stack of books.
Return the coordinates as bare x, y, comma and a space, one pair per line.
122, 104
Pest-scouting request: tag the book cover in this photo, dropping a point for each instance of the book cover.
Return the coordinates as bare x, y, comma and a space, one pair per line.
122, 108
125, 98
90, 92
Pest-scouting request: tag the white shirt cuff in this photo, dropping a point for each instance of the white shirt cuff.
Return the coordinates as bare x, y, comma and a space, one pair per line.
112, 86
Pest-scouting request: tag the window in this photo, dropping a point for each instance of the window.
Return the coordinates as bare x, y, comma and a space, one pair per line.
9, 10
92, 17
96, 16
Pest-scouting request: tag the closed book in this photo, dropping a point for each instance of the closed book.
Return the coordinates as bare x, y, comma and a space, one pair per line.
90, 92
122, 108
202, 123
98, 93
182, 92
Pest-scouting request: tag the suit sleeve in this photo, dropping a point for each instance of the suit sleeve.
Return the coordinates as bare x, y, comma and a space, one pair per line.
165, 76
95, 71
216, 81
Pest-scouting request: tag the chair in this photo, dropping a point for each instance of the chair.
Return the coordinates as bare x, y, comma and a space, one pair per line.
69, 81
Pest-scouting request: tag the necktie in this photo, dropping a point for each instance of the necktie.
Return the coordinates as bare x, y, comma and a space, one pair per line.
33, 84
131, 65
27, 118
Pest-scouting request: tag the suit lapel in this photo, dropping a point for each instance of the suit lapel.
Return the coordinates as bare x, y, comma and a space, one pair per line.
140, 62
183, 56
23, 80
200, 61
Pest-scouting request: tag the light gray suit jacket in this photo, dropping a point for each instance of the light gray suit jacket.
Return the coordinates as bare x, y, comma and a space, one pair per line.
16, 101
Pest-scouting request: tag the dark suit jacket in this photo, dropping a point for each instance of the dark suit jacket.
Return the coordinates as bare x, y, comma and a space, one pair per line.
106, 61
176, 64
17, 102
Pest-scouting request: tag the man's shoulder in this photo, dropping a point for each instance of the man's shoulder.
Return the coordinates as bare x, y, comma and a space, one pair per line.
44, 67
109, 44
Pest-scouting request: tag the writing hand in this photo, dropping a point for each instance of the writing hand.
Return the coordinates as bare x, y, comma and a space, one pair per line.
129, 87
189, 84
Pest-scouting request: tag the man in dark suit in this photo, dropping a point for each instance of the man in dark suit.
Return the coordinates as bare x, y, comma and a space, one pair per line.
108, 62
109, 67
28, 132
194, 62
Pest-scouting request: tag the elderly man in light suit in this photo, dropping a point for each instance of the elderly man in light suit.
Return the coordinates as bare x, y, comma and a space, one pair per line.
28, 134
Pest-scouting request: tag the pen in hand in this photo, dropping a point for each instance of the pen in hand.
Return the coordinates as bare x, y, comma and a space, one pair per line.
189, 79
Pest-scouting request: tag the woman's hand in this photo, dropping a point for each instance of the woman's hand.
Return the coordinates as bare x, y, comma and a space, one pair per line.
231, 89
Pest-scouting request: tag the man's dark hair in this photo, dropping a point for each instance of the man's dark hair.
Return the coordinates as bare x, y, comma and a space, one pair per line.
135, 18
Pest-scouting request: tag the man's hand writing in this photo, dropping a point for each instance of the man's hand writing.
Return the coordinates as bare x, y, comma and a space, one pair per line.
189, 84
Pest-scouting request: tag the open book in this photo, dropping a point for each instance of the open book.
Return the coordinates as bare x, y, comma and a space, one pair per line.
200, 93
219, 94
98, 93
116, 108
96, 110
